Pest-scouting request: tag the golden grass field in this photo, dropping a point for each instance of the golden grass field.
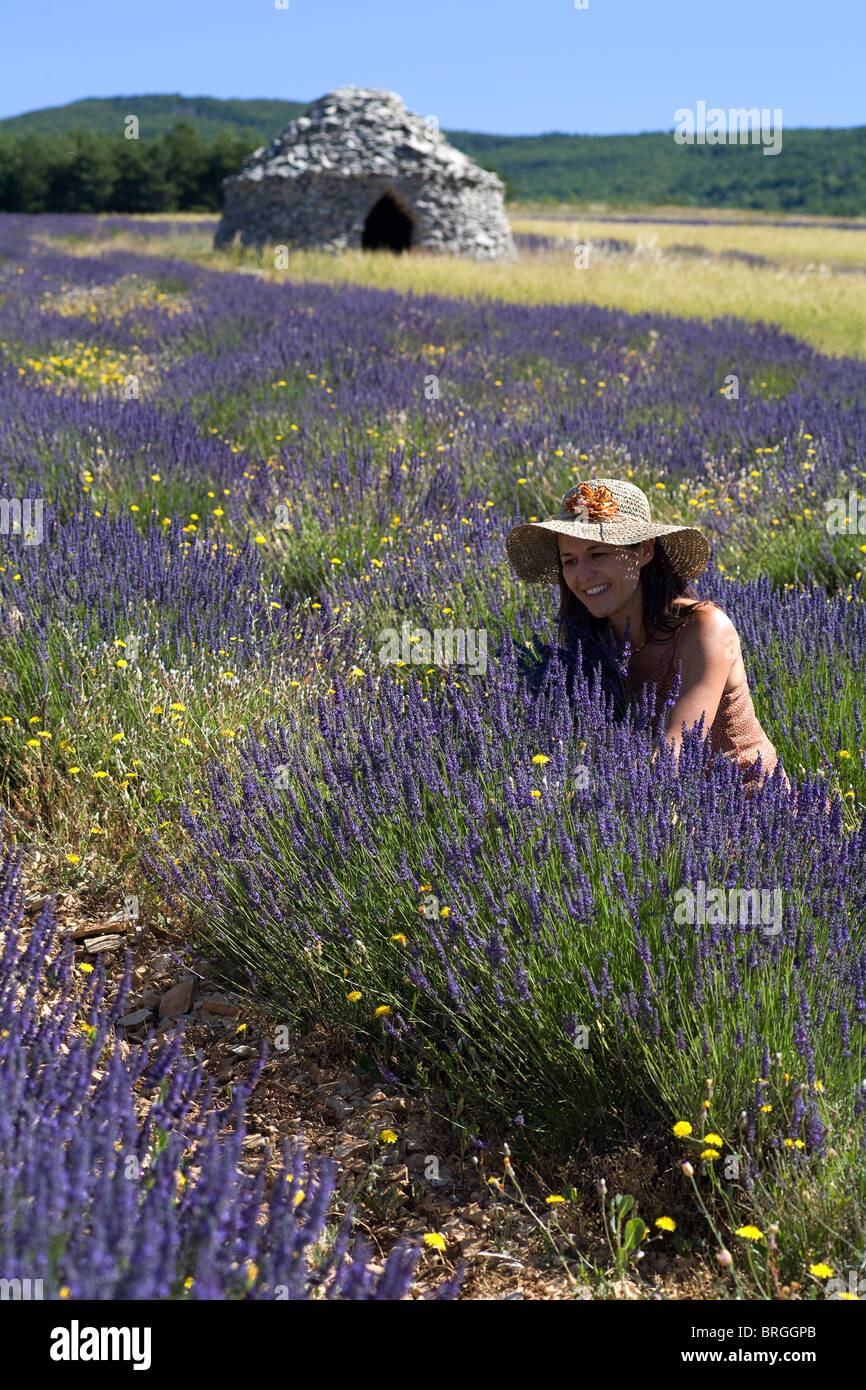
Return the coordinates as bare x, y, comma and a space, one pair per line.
806, 293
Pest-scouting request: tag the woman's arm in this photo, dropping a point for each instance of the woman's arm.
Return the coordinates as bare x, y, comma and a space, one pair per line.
709, 646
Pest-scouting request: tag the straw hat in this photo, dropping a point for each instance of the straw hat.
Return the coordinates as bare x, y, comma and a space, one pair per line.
607, 510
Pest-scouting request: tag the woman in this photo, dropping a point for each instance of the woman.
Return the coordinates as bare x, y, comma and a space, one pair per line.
620, 572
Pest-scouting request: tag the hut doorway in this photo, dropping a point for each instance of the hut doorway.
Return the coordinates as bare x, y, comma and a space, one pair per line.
387, 227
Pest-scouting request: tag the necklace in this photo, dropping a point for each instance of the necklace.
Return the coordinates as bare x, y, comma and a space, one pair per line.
635, 650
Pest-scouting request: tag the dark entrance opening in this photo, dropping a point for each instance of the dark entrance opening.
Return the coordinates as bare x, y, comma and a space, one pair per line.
387, 227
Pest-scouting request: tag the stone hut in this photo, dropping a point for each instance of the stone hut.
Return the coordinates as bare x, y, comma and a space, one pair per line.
359, 170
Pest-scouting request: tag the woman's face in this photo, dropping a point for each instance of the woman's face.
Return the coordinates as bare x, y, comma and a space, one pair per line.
604, 577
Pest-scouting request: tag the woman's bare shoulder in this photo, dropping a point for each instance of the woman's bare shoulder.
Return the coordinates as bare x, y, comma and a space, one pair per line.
701, 609
710, 627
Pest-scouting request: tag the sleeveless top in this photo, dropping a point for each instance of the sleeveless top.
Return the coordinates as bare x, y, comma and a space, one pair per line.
735, 733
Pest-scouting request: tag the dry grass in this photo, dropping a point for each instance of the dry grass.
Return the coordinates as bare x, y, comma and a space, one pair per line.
803, 296
798, 246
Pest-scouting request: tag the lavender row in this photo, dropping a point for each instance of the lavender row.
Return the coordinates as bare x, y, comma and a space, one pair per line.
120, 1178
560, 892
369, 351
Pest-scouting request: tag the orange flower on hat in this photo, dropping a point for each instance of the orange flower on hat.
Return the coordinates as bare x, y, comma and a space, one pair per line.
598, 504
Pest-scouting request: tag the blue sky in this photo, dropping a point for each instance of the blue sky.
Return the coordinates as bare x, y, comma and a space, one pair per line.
507, 66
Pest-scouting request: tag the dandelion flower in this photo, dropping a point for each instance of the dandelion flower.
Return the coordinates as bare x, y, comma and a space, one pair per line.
399, 938
541, 758
388, 1136
298, 1197
86, 969
553, 1199
73, 858
434, 1240
710, 1154
715, 1139
749, 1233
382, 1010
821, 1271
353, 996
682, 1128
665, 1223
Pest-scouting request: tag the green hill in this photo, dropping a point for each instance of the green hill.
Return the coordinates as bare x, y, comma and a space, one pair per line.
157, 114
75, 158
816, 171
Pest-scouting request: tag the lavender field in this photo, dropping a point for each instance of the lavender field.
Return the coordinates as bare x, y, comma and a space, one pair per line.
242, 488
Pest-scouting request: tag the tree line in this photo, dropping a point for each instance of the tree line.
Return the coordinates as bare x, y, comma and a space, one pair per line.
85, 171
